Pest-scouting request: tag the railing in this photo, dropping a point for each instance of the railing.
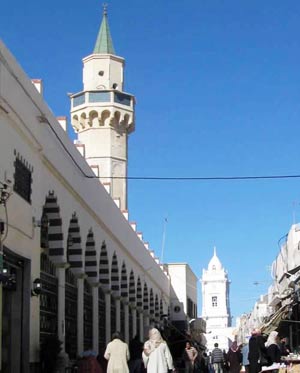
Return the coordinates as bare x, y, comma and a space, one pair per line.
102, 97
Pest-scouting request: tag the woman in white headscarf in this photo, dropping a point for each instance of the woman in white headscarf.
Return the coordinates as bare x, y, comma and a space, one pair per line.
273, 350
156, 355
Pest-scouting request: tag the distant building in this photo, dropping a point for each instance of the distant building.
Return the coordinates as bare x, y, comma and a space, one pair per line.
183, 295
278, 309
215, 304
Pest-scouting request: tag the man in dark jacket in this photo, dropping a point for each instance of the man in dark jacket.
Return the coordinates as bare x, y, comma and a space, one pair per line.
217, 359
257, 351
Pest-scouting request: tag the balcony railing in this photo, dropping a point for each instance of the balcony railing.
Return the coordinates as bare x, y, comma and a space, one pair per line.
102, 97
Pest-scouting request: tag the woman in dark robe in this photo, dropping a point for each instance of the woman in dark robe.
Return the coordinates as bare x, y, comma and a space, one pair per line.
234, 358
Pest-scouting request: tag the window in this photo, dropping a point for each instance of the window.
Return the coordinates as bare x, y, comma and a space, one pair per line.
23, 179
214, 301
190, 308
214, 267
123, 99
78, 100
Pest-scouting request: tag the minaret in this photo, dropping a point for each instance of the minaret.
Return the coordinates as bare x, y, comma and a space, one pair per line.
103, 115
215, 303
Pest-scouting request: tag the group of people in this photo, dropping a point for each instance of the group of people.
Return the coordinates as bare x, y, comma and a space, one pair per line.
265, 353
252, 356
152, 357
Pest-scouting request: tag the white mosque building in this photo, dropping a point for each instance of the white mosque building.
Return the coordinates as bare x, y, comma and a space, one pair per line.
215, 304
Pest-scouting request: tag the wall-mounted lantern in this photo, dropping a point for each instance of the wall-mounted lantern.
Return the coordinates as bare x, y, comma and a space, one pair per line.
37, 287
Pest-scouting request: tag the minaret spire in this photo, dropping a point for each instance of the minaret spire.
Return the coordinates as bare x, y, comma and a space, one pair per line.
215, 251
104, 44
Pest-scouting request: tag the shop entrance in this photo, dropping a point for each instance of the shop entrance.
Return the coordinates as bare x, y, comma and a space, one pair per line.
15, 315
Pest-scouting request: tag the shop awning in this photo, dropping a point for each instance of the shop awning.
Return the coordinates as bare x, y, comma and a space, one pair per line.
275, 320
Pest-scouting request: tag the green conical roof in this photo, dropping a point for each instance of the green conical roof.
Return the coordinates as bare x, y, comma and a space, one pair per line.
104, 44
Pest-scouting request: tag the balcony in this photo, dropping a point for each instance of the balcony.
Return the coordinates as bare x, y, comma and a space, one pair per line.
102, 97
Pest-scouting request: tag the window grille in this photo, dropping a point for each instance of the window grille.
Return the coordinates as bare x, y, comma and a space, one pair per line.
23, 180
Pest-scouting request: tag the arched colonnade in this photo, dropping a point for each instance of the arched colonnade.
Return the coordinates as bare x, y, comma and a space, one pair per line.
89, 292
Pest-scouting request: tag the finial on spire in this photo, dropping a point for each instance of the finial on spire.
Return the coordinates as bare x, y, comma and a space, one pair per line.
104, 44
215, 251
104, 8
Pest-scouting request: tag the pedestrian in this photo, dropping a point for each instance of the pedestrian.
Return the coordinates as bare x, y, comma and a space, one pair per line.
245, 352
117, 354
234, 358
135, 351
210, 364
217, 359
273, 350
190, 355
285, 349
204, 363
89, 363
225, 362
156, 355
257, 352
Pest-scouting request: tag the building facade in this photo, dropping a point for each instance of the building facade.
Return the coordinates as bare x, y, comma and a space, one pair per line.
215, 304
73, 265
183, 295
279, 308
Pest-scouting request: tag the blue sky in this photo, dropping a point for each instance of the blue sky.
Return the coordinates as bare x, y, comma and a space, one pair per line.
217, 87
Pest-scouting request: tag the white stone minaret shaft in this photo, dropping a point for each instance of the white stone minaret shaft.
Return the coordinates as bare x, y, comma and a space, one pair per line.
215, 303
103, 115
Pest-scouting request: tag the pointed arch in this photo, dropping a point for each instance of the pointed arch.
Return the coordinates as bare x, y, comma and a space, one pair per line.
124, 282
104, 268
139, 295
91, 258
74, 249
132, 291
51, 213
115, 280
146, 298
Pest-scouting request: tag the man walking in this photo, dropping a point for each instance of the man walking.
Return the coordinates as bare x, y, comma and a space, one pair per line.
217, 359
257, 351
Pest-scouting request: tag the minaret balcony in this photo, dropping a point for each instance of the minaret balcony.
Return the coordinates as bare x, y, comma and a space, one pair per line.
102, 98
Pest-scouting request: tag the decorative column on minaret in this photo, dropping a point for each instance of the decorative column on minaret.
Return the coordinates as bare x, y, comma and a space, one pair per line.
103, 115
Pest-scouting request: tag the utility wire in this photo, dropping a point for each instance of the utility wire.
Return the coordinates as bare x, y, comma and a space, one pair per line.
145, 178
173, 178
